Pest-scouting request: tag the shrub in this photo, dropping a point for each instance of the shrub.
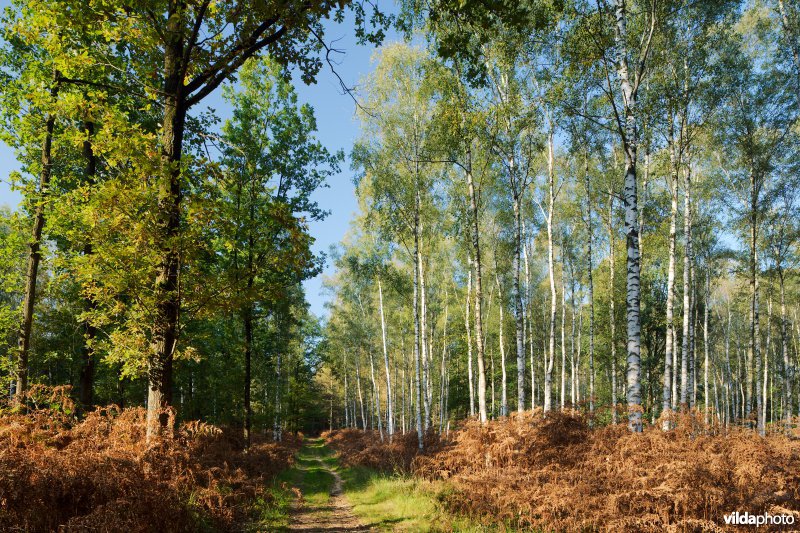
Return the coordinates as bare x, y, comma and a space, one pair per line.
57, 473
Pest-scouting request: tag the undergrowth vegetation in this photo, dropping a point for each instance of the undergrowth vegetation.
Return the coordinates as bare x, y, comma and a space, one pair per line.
557, 473
61, 473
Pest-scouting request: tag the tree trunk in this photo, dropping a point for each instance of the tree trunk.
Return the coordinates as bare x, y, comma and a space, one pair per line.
669, 343
787, 382
358, 389
705, 347
423, 316
166, 295
417, 326
248, 351
470, 378
389, 406
551, 356
476, 250
589, 273
687, 260
693, 339
34, 256
573, 356
443, 372
767, 349
504, 386
612, 319
729, 386
563, 397
634, 329
346, 397
518, 309
376, 394
530, 316
755, 337
276, 423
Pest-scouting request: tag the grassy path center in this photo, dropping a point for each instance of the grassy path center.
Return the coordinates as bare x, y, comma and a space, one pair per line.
322, 506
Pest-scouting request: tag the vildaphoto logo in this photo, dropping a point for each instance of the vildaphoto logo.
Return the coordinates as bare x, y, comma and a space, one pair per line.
766, 519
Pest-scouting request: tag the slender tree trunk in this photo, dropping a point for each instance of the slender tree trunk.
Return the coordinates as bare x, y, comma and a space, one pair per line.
504, 385
346, 397
706, 347
248, 350
403, 392
563, 330
389, 406
470, 378
551, 355
573, 356
426, 352
417, 326
360, 394
476, 249
443, 372
277, 433
797, 350
590, 276
518, 309
34, 256
611, 307
729, 386
376, 394
787, 381
669, 344
755, 337
687, 259
767, 349
578, 395
493, 409
693, 340
530, 316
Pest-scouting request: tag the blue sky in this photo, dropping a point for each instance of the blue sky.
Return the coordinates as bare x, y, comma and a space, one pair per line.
338, 129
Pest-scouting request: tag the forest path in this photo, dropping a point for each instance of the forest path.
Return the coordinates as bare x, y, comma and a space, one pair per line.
322, 506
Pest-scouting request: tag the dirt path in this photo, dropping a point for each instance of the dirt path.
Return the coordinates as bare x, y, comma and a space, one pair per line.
320, 512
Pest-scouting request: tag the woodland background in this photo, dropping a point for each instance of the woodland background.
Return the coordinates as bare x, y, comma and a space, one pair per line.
588, 208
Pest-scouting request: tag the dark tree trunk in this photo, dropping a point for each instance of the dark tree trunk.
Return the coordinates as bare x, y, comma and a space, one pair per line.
89, 331
34, 258
167, 298
248, 351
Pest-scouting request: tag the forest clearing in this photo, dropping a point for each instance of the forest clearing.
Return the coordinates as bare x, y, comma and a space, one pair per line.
455, 265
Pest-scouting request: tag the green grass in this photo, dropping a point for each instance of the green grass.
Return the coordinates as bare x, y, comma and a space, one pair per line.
383, 501
400, 503
313, 480
273, 513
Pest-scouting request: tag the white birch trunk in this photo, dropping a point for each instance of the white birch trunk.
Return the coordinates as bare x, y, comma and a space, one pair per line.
633, 298
548, 377
389, 406
469, 342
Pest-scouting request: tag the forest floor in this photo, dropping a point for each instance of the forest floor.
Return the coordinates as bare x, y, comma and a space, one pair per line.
554, 472
320, 504
318, 494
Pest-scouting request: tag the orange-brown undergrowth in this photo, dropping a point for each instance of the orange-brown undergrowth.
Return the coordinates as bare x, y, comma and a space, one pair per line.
556, 473
365, 448
99, 474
